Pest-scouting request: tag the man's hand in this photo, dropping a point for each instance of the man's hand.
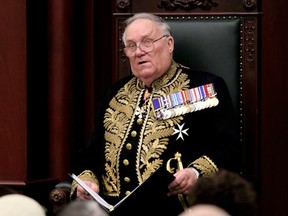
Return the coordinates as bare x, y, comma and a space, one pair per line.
83, 195
183, 182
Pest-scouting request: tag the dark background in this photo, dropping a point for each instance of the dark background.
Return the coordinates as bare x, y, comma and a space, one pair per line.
57, 57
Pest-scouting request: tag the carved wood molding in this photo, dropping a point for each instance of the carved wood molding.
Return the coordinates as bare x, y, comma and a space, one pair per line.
123, 6
121, 28
250, 34
187, 5
249, 4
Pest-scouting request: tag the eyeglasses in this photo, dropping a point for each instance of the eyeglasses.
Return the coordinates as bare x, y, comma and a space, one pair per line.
145, 46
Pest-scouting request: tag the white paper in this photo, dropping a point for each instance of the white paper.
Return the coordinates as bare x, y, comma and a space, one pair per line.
95, 195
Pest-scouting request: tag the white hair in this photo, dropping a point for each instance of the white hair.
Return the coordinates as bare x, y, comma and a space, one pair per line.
20, 205
165, 28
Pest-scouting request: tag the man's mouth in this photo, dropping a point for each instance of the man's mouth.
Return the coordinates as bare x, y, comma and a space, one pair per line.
142, 62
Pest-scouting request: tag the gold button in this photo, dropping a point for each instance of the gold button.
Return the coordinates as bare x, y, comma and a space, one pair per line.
128, 146
127, 179
133, 133
139, 121
127, 193
125, 162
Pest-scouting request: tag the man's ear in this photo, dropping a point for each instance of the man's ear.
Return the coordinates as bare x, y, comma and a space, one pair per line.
171, 44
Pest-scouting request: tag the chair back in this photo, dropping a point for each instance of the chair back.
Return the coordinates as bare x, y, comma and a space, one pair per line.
211, 45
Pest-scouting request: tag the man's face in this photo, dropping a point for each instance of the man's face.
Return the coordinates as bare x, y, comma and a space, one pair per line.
149, 66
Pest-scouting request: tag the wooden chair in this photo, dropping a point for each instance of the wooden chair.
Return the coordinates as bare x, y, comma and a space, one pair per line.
224, 45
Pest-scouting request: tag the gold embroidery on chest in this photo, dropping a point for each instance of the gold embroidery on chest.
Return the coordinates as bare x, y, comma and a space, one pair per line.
154, 135
117, 119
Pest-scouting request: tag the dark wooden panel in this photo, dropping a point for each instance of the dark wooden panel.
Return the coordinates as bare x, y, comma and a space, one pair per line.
274, 141
71, 81
13, 145
250, 92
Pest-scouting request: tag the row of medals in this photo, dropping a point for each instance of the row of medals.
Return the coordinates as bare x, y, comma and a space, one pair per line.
163, 114
182, 109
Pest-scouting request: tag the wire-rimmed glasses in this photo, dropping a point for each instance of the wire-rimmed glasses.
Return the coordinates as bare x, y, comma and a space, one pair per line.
146, 46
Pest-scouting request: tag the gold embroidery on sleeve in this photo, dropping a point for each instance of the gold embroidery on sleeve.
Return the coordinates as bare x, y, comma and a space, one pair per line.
205, 165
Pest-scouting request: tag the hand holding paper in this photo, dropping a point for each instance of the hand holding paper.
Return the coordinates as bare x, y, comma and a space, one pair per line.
99, 199
82, 194
152, 192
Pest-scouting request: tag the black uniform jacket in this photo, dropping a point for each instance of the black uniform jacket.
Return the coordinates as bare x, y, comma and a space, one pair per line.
129, 142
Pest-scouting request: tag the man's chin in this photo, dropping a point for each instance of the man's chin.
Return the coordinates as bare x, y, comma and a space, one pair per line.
146, 73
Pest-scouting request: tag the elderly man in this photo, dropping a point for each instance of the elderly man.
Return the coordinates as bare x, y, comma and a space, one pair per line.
161, 111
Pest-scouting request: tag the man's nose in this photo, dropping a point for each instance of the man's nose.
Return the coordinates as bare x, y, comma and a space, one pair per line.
139, 50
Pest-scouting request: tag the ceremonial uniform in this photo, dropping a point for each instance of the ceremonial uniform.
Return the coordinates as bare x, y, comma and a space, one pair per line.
139, 129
